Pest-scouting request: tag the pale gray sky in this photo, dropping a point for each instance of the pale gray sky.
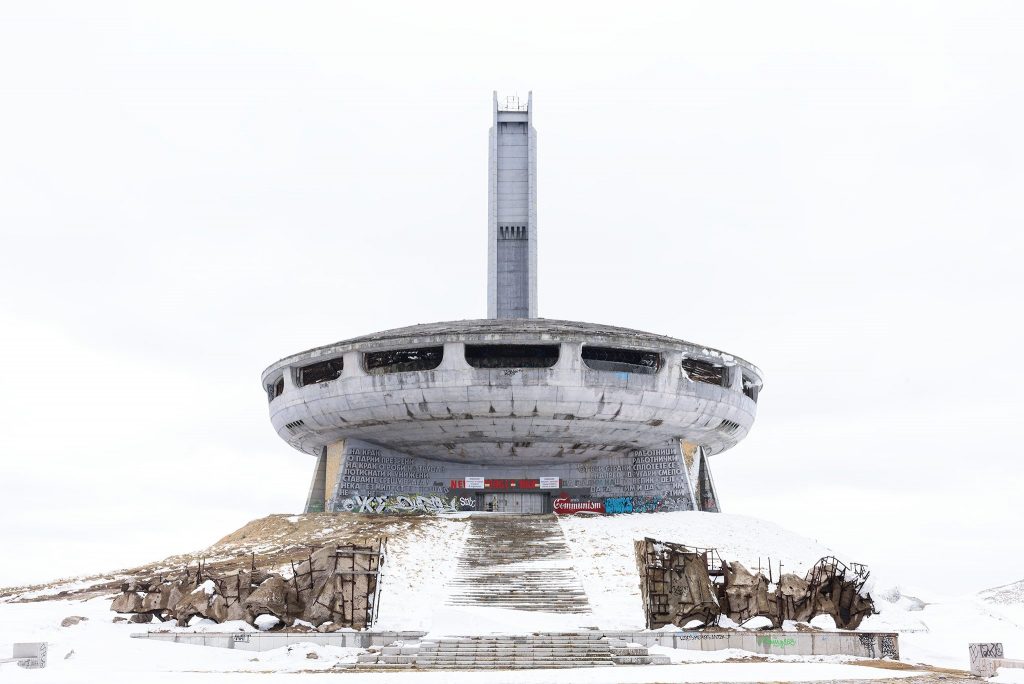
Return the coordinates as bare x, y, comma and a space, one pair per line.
192, 190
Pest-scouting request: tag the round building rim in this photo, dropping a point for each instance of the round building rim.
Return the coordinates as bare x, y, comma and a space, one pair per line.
524, 330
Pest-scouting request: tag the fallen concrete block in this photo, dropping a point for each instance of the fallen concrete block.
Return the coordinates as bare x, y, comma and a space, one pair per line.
30, 655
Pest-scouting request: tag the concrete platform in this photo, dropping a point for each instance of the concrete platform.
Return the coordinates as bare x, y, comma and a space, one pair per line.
879, 645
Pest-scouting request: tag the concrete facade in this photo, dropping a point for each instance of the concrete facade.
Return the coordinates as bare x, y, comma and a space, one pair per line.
553, 416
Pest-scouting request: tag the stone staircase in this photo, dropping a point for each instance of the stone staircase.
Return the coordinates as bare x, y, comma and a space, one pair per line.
500, 652
517, 563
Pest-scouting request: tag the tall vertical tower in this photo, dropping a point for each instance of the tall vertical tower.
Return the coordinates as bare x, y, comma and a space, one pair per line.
512, 211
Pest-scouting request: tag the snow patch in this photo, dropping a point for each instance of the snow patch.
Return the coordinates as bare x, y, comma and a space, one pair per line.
265, 622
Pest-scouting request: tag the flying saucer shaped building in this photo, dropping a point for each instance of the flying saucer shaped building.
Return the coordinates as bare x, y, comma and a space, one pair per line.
512, 413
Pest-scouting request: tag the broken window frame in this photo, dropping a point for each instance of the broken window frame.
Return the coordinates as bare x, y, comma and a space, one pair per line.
405, 360
275, 389
321, 371
700, 370
613, 359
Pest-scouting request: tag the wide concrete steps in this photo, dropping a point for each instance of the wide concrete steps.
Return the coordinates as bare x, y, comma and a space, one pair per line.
517, 563
536, 651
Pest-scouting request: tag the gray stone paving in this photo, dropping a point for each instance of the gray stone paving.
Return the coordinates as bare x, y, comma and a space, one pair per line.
494, 566
506, 652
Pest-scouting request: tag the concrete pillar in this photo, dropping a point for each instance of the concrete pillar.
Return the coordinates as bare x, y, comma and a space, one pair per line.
353, 365
569, 356
454, 357
671, 367
289, 380
335, 462
317, 497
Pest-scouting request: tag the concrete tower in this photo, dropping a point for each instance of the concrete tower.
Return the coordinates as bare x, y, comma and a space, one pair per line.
512, 212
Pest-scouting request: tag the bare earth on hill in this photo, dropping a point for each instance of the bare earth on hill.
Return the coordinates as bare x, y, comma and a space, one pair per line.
271, 542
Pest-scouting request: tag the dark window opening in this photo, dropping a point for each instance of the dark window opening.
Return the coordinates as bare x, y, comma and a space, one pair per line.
728, 427
511, 355
512, 232
323, 371
294, 426
276, 390
403, 360
750, 388
703, 371
621, 360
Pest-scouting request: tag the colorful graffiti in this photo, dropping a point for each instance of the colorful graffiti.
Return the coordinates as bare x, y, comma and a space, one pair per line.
632, 504
618, 504
566, 506
775, 641
404, 503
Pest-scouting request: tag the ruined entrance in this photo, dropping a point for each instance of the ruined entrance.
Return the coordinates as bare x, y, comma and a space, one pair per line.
515, 502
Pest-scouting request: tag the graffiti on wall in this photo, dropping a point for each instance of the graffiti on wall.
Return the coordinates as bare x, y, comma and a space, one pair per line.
990, 650
404, 503
889, 647
699, 636
776, 642
566, 506
375, 479
632, 504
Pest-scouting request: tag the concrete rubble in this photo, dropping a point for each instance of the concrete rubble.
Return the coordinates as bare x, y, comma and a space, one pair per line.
335, 587
686, 586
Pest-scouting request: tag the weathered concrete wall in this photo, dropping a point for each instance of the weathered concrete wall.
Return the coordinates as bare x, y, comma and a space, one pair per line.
375, 479
859, 644
30, 655
862, 644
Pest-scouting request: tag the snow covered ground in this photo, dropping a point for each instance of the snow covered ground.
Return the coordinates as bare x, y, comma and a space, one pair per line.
98, 651
933, 630
938, 632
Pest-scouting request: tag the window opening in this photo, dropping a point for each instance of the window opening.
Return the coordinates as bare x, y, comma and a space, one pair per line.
276, 389
512, 355
704, 371
403, 360
322, 371
621, 360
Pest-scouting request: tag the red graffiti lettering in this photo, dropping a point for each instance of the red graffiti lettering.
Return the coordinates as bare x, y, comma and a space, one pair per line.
567, 506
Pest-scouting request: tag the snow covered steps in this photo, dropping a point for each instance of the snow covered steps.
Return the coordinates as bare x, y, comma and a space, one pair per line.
539, 651
517, 563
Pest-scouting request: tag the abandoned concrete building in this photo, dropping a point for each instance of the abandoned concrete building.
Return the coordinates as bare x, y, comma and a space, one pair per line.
512, 413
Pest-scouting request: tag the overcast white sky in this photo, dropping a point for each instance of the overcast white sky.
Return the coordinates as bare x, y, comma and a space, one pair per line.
192, 190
